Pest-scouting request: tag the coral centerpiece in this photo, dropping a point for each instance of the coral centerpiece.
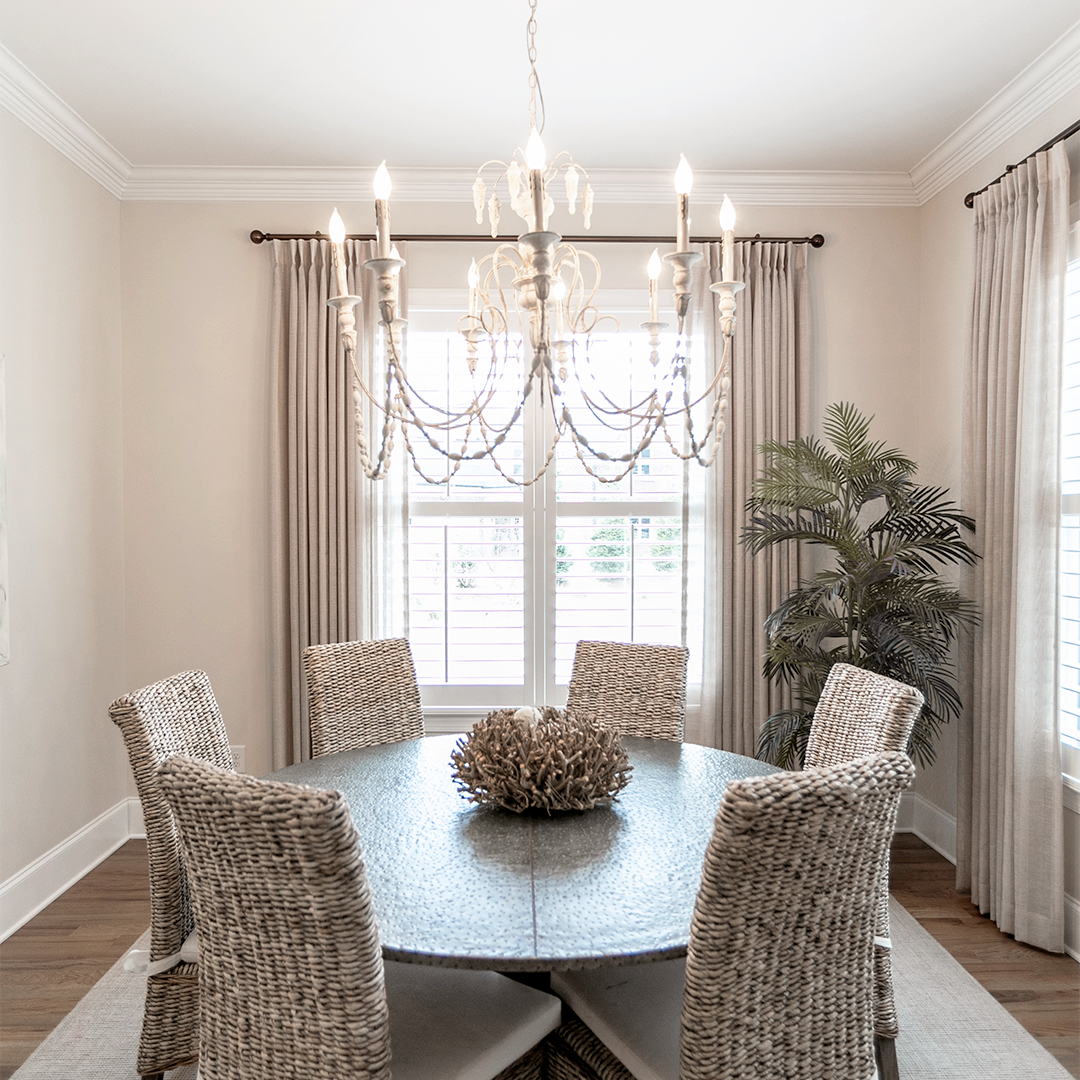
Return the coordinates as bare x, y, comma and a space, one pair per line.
540, 759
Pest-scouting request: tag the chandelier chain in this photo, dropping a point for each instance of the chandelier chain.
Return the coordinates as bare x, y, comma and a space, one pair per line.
535, 90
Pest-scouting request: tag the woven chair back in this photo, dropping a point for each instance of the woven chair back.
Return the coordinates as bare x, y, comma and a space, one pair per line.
637, 689
859, 713
290, 969
361, 693
178, 715
778, 975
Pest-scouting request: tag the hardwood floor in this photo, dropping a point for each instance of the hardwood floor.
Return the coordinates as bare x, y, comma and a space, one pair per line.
1040, 989
47, 966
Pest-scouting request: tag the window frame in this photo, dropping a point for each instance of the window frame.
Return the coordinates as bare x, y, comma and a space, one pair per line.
541, 511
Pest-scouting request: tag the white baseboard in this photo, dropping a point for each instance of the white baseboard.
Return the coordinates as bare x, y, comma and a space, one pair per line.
136, 828
24, 894
1072, 926
929, 823
933, 826
905, 816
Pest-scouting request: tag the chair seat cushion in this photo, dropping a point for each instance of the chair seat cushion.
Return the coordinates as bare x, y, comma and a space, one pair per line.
462, 1025
634, 1010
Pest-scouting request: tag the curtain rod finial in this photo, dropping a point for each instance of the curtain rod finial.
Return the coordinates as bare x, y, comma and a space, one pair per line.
257, 236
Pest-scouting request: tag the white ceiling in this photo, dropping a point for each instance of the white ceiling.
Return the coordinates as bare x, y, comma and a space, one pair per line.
773, 85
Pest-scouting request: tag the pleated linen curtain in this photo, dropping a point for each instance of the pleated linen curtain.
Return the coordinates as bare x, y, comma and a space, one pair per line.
1009, 833
769, 399
329, 524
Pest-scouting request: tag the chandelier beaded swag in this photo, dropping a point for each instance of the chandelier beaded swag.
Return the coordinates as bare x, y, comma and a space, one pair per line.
544, 289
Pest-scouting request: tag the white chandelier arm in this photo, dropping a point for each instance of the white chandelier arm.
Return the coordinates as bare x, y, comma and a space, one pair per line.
633, 418
453, 419
633, 410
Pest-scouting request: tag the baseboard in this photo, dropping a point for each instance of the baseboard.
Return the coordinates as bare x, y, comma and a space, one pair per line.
136, 828
24, 894
1072, 926
929, 823
905, 816
936, 828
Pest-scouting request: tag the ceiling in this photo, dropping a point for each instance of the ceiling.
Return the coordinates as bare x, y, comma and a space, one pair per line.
773, 85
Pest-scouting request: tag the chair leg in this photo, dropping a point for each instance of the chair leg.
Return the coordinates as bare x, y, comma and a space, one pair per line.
885, 1056
154, 1076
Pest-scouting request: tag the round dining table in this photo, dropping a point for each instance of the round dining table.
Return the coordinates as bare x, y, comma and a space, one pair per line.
461, 885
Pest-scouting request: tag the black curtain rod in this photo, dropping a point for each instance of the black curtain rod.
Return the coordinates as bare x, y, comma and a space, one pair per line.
817, 240
1072, 129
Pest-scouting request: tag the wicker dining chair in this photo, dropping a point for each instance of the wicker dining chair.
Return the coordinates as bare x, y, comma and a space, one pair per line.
292, 980
777, 983
637, 689
860, 712
176, 715
361, 693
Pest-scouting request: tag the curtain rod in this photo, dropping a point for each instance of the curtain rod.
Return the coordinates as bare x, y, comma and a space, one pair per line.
1072, 129
817, 240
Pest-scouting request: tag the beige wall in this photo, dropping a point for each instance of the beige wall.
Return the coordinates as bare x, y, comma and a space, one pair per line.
61, 760
129, 566
196, 384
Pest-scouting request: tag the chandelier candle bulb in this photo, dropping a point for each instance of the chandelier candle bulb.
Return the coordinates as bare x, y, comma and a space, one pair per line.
382, 187
654, 286
727, 223
684, 181
337, 239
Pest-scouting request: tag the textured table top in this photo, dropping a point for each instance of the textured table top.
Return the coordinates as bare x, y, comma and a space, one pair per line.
466, 886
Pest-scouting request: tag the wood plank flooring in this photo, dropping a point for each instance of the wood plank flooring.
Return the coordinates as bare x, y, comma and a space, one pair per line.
1040, 989
47, 966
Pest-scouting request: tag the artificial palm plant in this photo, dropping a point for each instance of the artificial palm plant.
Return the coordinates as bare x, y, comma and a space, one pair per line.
880, 606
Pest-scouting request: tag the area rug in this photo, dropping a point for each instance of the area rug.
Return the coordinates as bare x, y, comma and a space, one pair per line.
952, 1028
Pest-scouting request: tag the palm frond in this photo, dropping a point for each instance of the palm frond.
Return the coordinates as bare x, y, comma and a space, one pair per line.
881, 605
782, 739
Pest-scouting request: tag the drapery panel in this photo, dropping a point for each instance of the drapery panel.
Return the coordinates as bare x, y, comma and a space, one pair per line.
1009, 842
769, 399
330, 526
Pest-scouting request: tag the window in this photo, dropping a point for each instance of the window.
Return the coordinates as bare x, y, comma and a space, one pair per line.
1069, 598
502, 580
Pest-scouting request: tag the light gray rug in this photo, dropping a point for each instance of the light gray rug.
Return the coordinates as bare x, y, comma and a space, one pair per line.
952, 1028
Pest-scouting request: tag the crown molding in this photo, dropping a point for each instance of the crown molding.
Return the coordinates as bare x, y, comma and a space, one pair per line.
26, 97
612, 186
1043, 83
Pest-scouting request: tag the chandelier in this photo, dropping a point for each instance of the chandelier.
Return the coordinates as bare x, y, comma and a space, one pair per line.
539, 291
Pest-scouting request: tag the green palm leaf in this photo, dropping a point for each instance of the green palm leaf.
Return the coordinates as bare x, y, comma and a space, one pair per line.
881, 605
